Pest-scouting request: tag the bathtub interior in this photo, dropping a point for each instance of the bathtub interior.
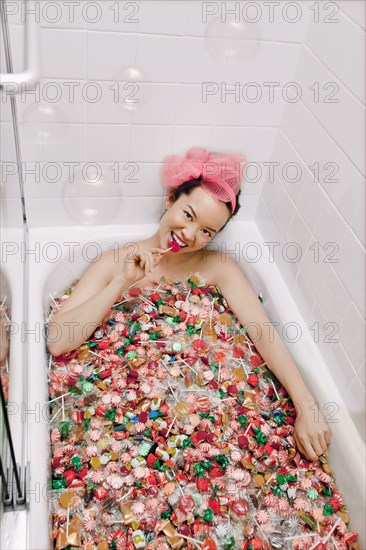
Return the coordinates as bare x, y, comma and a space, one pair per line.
5, 289
66, 271
5, 294
5, 298
346, 452
12, 275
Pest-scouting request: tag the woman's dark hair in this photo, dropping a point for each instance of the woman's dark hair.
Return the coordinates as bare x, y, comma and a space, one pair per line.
187, 187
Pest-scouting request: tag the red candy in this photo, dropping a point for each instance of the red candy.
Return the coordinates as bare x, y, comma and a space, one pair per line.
175, 246
135, 291
253, 380
100, 493
240, 507
243, 441
209, 428
186, 504
238, 352
209, 544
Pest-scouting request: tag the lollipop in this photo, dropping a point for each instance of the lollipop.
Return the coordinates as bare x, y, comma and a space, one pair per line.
175, 247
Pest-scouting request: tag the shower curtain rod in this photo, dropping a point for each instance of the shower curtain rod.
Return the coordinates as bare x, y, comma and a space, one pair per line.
31, 72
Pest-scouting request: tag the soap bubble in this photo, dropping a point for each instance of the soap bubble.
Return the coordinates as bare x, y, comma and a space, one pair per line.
45, 123
232, 42
130, 88
92, 198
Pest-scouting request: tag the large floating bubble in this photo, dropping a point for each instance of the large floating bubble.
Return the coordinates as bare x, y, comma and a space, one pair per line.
131, 88
93, 197
230, 41
45, 123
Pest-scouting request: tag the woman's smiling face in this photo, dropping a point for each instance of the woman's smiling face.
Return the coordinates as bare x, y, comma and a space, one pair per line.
195, 219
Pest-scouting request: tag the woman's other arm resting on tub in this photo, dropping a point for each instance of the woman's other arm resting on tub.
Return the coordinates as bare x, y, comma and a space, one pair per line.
244, 302
312, 435
80, 315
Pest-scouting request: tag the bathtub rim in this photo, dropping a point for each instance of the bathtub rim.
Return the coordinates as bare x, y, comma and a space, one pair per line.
346, 447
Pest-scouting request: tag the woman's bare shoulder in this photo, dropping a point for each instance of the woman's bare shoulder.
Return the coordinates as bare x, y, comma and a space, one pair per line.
223, 269
213, 266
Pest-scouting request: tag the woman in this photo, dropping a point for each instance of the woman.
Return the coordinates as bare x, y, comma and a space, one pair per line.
203, 196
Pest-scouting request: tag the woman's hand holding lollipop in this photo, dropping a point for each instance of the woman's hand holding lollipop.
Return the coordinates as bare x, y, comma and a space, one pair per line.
139, 264
142, 263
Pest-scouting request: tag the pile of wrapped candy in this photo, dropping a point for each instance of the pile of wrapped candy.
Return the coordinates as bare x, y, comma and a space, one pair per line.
4, 350
168, 430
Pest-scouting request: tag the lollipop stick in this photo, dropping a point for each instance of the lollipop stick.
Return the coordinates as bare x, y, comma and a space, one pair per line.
171, 389
191, 539
67, 524
171, 425
274, 387
125, 496
59, 397
133, 284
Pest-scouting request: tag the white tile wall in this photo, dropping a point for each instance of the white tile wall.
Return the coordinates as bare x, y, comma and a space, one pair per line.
167, 44
339, 47
325, 211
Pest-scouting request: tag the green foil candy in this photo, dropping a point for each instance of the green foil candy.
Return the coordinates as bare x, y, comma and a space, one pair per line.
177, 347
328, 510
242, 419
229, 543
312, 494
59, 483
87, 387
144, 448
209, 514
65, 429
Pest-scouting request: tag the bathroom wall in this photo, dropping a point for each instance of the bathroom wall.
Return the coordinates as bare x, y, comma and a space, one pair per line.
318, 202
176, 58
225, 87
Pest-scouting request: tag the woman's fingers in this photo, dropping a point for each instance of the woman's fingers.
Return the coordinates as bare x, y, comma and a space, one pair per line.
148, 260
155, 258
323, 443
310, 452
145, 263
317, 446
313, 448
299, 445
157, 249
306, 449
150, 263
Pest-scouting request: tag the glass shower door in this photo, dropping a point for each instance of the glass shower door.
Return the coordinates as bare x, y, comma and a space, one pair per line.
13, 268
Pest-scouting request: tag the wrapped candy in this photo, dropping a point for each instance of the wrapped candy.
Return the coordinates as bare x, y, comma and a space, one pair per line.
175, 434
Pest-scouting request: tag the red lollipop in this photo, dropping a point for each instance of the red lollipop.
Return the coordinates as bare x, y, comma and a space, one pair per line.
135, 292
175, 246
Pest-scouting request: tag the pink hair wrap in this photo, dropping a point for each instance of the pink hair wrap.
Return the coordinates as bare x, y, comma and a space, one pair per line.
221, 172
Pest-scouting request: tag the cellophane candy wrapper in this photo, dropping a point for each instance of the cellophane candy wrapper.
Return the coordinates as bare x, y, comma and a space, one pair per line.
5, 348
168, 430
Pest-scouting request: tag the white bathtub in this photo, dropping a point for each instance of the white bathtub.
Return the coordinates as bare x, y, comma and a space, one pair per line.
13, 524
346, 451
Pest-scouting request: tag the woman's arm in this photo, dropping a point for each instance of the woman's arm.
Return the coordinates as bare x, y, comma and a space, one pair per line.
4, 347
244, 302
80, 315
